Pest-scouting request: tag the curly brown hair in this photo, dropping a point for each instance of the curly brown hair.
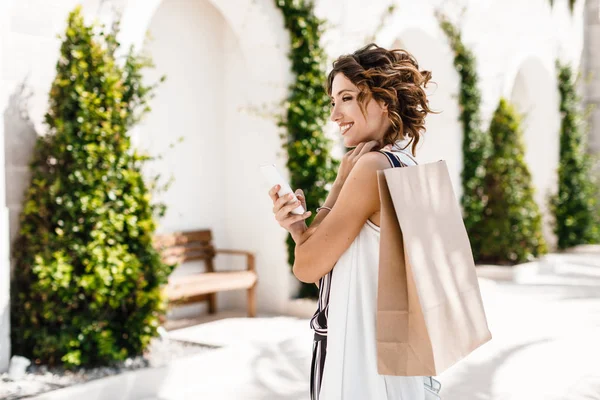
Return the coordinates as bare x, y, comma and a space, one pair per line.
393, 78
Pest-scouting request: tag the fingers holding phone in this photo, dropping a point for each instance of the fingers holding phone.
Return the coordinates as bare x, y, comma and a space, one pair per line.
283, 208
289, 208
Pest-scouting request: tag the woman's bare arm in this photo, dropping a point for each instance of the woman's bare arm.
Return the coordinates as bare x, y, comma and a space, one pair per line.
320, 246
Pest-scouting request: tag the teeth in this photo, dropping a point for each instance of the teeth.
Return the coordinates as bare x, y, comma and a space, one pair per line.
345, 127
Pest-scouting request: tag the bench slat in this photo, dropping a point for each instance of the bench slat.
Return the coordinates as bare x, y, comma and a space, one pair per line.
179, 247
170, 260
182, 238
209, 282
199, 251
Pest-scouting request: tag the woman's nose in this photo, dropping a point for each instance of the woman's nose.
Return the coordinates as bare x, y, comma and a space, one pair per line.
335, 114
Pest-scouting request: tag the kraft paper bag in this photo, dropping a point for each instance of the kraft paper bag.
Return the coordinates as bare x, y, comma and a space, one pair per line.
429, 308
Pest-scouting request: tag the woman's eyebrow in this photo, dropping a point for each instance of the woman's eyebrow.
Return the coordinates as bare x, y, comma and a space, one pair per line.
345, 90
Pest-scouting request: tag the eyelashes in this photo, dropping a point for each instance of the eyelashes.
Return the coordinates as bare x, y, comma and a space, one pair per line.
344, 99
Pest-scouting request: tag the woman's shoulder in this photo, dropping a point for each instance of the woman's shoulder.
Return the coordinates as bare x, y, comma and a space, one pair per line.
374, 160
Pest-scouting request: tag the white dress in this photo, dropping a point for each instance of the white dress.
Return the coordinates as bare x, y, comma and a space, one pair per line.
350, 371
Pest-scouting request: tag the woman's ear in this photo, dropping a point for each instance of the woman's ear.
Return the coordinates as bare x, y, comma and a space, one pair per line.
384, 106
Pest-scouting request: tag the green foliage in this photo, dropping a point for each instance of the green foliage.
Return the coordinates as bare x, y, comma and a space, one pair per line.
476, 142
575, 208
512, 232
309, 161
87, 281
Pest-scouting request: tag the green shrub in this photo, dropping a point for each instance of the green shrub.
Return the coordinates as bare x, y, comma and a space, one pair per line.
512, 229
310, 162
476, 143
87, 281
575, 208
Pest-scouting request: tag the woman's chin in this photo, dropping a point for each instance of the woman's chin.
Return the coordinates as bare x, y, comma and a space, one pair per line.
349, 143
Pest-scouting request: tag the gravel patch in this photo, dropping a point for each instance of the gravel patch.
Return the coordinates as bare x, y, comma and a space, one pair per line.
41, 379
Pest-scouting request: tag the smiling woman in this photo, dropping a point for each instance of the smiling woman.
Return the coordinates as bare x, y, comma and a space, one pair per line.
383, 88
348, 113
378, 100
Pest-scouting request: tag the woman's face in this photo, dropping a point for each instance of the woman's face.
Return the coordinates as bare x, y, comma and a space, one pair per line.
345, 111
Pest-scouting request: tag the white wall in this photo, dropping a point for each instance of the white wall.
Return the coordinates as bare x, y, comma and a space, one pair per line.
504, 34
188, 106
218, 98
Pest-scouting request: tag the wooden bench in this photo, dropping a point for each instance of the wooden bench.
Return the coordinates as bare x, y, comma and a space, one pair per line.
180, 247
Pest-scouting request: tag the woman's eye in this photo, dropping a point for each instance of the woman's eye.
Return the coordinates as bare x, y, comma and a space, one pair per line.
344, 99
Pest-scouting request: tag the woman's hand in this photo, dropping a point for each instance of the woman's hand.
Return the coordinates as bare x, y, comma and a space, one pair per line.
282, 209
350, 158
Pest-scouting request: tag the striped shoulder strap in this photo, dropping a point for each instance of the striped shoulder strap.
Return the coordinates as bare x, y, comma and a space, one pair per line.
393, 159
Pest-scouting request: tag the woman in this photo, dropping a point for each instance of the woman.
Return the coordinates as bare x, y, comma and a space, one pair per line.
378, 100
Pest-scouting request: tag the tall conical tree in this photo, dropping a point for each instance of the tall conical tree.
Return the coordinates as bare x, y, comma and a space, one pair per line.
86, 287
513, 222
575, 208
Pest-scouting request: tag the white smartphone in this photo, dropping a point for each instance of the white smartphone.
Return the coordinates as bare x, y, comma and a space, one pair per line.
273, 178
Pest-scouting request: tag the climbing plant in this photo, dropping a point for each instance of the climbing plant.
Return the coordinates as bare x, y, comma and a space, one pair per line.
476, 144
575, 207
311, 166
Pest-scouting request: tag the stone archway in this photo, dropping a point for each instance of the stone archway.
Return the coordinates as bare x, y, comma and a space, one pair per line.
232, 64
257, 24
535, 96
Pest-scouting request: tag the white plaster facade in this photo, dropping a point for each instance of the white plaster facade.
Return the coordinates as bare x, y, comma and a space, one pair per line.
227, 72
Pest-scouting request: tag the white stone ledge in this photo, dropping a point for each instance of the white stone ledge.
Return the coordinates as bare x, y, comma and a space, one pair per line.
129, 385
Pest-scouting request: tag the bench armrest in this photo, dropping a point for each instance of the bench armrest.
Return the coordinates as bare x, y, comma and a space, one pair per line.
250, 266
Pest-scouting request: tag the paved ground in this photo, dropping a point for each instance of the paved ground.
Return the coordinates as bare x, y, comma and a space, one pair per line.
545, 326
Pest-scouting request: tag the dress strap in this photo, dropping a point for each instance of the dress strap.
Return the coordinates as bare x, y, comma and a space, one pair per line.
393, 159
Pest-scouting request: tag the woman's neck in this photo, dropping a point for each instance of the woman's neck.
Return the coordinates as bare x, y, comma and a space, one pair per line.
401, 145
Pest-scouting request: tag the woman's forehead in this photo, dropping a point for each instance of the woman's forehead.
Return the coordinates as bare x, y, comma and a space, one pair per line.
340, 84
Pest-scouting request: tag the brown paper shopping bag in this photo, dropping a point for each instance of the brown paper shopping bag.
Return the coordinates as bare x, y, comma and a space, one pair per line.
429, 309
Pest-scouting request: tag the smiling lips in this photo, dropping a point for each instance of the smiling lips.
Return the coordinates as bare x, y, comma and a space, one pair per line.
345, 127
